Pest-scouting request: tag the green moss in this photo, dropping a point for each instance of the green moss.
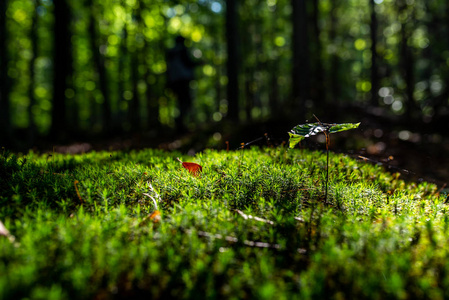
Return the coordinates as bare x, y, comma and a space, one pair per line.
253, 224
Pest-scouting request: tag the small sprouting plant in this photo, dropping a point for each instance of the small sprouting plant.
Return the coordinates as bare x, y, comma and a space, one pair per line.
300, 132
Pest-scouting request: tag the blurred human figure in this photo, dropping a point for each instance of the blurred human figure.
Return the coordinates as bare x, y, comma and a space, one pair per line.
180, 72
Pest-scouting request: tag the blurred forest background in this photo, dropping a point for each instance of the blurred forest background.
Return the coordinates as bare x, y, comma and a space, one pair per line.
89, 68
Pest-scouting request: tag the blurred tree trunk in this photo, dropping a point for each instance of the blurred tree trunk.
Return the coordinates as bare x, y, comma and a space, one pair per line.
133, 112
249, 93
301, 57
134, 108
334, 59
99, 63
33, 37
233, 59
317, 92
432, 54
407, 62
248, 53
151, 97
5, 119
274, 101
62, 69
152, 104
122, 61
260, 63
374, 56
217, 79
273, 69
441, 102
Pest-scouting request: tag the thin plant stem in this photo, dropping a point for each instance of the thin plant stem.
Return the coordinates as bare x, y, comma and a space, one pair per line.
327, 163
326, 133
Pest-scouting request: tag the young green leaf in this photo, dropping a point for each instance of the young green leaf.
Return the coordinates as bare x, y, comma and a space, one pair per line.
302, 131
342, 127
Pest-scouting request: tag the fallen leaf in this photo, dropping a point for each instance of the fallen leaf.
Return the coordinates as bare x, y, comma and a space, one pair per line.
193, 168
155, 216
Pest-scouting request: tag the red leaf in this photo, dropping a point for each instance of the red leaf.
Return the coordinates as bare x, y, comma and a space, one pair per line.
156, 217
193, 168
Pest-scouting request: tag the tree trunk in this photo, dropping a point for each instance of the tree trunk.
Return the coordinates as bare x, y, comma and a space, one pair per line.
135, 104
233, 60
62, 69
334, 60
5, 119
249, 93
99, 63
374, 56
318, 94
133, 112
218, 74
122, 62
273, 68
151, 97
440, 29
300, 70
33, 37
407, 62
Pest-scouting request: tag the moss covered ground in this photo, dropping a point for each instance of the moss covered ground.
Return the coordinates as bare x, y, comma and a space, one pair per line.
253, 223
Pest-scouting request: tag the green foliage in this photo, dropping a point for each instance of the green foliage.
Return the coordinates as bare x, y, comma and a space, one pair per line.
252, 224
130, 32
303, 131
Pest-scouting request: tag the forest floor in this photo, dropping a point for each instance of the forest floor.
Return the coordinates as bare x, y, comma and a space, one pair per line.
251, 224
417, 156
254, 223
